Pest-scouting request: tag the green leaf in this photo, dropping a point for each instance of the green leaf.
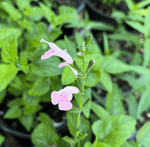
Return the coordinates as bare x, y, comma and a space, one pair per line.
144, 102
101, 144
88, 41
45, 119
27, 121
47, 67
2, 95
66, 14
99, 110
114, 129
23, 4
88, 144
11, 10
2, 138
115, 67
15, 102
130, 144
146, 52
147, 20
93, 78
113, 102
105, 42
79, 39
136, 25
43, 135
7, 72
5, 33
68, 139
30, 102
13, 112
132, 101
48, 13
67, 76
106, 80
10, 51
40, 87
143, 135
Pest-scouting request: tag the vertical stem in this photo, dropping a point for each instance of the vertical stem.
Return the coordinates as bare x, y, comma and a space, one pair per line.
81, 100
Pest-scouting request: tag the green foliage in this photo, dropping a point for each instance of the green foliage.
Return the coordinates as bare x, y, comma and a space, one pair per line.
2, 138
114, 129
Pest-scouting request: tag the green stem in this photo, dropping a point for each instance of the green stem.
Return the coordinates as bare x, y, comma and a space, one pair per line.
81, 101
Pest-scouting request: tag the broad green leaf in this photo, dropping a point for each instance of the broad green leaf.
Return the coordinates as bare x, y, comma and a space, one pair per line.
93, 78
136, 25
147, 20
113, 66
113, 102
68, 139
106, 80
25, 24
48, 13
79, 39
144, 102
130, 144
62, 143
2, 95
66, 14
146, 52
27, 121
130, 4
2, 138
114, 129
99, 110
34, 13
45, 119
7, 73
43, 135
143, 135
47, 67
142, 3
11, 10
40, 87
15, 102
10, 50
132, 101
88, 144
13, 112
67, 76
101, 144
23, 4
55, 33
5, 33
30, 102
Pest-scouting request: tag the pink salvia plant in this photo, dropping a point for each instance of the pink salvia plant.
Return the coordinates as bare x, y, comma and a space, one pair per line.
63, 97
56, 51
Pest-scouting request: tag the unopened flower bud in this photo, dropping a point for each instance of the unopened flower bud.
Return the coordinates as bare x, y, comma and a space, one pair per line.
91, 63
76, 66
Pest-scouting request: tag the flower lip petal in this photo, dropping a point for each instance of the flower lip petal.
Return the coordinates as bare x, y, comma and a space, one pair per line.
63, 64
63, 98
65, 106
71, 89
55, 97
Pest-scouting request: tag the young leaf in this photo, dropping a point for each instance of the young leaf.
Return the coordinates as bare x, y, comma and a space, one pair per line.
143, 135
7, 72
43, 135
106, 45
40, 87
10, 51
67, 76
99, 110
2, 138
13, 112
113, 102
88, 41
114, 129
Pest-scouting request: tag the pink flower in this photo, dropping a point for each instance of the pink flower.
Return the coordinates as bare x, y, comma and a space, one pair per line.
63, 97
56, 51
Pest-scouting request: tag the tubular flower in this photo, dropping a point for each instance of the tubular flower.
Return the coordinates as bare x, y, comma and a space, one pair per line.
63, 97
56, 51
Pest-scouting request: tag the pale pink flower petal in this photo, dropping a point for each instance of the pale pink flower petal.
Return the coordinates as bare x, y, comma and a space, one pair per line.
48, 54
79, 53
70, 89
69, 97
65, 106
59, 52
62, 99
55, 98
63, 64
